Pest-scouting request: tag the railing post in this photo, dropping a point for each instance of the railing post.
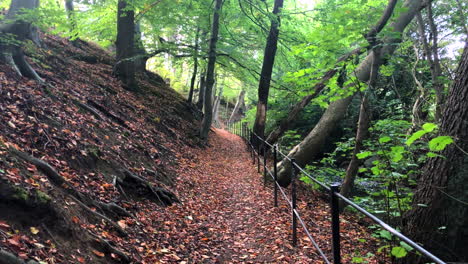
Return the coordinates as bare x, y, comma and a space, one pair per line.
264, 163
335, 213
293, 201
275, 174
252, 147
258, 154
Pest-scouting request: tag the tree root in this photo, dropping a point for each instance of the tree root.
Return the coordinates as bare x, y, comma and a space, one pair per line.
108, 248
8, 258
164, 196
78, 197
113, 117
114, 209
99, 215
88, 108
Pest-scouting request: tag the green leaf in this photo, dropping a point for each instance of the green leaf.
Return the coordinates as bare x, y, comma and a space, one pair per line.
416, 135
384, 139
357, 260
429, 127
397, 153
364, 155
439, 143
406, 246
422, 205
385, 234
399, 252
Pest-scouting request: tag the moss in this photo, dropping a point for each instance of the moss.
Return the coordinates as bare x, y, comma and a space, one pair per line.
20, 194
42, 197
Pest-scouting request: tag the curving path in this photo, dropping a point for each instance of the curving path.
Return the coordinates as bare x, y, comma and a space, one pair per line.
226, 215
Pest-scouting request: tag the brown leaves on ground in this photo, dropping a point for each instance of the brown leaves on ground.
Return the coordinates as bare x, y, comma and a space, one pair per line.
227, 215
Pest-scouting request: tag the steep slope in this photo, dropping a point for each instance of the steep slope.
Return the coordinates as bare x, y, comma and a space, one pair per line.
81, 159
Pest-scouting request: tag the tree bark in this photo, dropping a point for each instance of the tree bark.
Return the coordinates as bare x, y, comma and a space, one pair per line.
201, 91
195, 68
237, 107
307, 150
267, 69
208, 106
216, 106
140, 55
125, 45
441, 192
12, 54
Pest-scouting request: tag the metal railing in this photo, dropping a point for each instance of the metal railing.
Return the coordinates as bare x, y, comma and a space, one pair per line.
242, 130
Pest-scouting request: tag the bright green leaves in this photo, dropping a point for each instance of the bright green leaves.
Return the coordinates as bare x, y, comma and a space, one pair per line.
436, 144
384, 139
426, 128
399, 252
439, 143
364, 155
396, 153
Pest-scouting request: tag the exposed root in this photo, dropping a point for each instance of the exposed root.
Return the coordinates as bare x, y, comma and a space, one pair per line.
164, 196
78, 197
113, 117
101, 216
43, 166
8, 258
108, 248
88, 108
114, 209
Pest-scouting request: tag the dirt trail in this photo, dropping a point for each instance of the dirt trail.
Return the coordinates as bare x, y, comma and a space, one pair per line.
226, 215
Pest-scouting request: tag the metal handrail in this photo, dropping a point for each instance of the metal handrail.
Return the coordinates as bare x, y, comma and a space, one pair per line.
247, 133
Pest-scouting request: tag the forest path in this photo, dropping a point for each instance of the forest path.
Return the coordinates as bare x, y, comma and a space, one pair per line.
226, 214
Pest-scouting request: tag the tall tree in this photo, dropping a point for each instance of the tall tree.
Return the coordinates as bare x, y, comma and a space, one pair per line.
238, 106
195, 68
21, 30
307, 150
125, 45
70, 9
267, 70
439, 215
210, 78
201, 90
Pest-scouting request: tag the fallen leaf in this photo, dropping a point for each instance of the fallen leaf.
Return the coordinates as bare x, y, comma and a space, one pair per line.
34, 230
98, 253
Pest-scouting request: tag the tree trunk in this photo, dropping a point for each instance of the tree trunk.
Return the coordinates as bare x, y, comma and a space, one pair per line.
70, 9
208, 107
307, 150
216, 106
294, 112
13, 54
195, 68
362, 134
140, 55
125, 66
237, 107
432, 57
440, 198
201, 91
436, 71
267, 69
